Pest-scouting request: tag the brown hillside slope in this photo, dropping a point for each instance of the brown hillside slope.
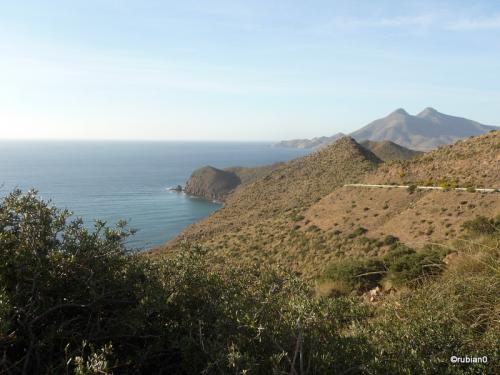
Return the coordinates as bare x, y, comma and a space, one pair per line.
257, 221
423, 216
249, 174
474, 161
416, 219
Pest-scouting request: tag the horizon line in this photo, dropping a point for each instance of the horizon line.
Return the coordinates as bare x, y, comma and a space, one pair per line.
132, 140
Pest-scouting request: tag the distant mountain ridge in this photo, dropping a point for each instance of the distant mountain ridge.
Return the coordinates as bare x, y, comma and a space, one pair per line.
310, 143
423, 132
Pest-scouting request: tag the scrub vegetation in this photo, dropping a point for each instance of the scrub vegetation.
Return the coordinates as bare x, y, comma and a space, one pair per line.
74, 300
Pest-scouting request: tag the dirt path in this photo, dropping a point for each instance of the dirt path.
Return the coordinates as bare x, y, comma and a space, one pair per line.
480, 190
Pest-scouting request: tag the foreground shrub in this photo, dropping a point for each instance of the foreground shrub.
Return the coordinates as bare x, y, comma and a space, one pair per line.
458, 314
259, 321
64, 285
75, 301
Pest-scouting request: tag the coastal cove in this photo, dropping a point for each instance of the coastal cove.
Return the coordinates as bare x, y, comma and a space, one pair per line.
127, 180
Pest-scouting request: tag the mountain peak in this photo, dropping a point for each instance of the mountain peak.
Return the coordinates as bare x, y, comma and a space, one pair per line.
429, 111
399, 111
349, 146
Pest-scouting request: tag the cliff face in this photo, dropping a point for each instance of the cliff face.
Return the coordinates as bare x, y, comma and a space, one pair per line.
212, 183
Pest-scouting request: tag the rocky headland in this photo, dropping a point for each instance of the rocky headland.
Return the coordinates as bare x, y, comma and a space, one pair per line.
217, 184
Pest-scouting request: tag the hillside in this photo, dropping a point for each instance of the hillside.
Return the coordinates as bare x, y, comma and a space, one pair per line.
388, 151
302, 215
414, 218
257, 221
249, 174
418, 217
425, 131
472, 162
316, 142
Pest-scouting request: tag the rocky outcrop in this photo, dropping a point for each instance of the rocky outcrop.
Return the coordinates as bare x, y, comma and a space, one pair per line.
212, 183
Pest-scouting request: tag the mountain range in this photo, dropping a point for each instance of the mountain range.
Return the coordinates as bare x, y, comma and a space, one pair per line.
425, 131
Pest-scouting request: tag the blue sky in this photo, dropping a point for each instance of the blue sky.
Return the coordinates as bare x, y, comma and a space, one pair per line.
240, 70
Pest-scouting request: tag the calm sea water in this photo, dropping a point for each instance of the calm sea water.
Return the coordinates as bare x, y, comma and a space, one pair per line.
126, 180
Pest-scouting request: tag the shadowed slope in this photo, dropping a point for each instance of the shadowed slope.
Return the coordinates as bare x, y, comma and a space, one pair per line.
387, 150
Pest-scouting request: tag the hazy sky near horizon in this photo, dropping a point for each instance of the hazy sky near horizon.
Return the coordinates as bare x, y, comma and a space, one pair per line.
240, 70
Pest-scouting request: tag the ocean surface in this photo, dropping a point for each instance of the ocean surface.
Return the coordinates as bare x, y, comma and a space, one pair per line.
126, 180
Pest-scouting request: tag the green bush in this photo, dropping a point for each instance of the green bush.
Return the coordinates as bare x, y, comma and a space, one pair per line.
406, 266
64, 285
358, 232
359, 274
297, 217
412, 188
482, 225
390, 240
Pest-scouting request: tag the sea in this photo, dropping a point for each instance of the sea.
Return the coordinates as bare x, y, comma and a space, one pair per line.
119, 180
